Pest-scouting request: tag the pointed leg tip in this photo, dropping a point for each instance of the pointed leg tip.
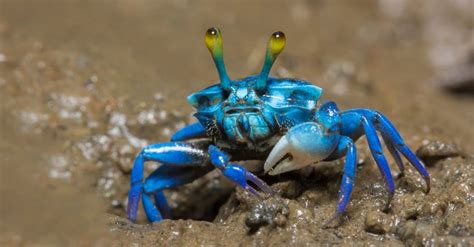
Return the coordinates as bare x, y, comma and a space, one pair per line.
329, 223
387, 207
262, 185
428, 185
401, 175
131, 217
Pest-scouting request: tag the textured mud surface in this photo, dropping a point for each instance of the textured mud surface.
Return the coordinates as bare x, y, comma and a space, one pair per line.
81, 93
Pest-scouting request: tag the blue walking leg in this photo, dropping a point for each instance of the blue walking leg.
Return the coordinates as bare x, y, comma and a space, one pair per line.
162, 203
135, 193
346, 148
386, 127
151, 211
178, 154
377, 153
236, 173
194, 130
390, 133
167, 176
395, 154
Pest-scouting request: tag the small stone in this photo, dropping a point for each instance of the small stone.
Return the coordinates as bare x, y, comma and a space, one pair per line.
411, 183
409, 209
437, 150
423, 232
288, 189
416, 233
460, 230
449, 241
377, 222
433, 208
272, 211
407, 231
280, 220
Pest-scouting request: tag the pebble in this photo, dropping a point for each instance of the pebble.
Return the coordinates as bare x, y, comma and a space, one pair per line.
437, 150
272, 211
378, 222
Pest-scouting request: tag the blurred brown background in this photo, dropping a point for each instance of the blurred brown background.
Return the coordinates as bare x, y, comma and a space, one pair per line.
66, 67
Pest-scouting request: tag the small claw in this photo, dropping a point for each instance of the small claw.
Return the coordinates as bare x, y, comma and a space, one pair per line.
238, 175
259, 183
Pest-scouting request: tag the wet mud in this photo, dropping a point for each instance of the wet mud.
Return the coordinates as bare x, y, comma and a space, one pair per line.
81, 93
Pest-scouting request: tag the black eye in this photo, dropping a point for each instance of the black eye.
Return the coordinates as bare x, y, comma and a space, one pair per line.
206, 98
206, 101
211, 31
300, 97
203, 101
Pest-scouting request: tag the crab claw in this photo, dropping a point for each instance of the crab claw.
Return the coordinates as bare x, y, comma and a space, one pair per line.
303, 145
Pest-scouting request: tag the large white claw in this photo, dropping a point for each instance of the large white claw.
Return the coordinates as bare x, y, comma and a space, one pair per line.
303, 144
295, 160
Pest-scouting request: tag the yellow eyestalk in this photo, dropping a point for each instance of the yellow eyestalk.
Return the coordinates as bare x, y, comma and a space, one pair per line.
213, 41
276, 44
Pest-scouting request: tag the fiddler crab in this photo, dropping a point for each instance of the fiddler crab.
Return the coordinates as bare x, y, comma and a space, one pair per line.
279, 120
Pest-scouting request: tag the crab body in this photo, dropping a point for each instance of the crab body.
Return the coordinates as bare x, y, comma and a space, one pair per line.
277, 120
246, 119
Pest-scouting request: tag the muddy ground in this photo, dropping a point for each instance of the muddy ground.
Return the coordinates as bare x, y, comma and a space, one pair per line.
85, 84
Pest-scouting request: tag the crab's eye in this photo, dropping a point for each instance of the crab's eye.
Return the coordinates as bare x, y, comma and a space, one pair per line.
203, 101
274, 48
299, 96
213, 39
206, 98
209, 100
277, 43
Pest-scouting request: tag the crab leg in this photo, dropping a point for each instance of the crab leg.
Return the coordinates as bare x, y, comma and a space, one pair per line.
395, 154
194, 130
390, 133
236, 173
385, 126
167, 176
346, 147
377, 153
169, 153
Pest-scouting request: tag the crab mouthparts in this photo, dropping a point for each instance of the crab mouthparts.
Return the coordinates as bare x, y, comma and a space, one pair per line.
242, 110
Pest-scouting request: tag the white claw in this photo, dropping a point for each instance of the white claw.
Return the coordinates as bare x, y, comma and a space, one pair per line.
284, 166
289, 164
278, 152
275, 165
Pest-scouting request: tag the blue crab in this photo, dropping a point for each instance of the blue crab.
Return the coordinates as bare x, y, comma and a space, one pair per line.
276, 120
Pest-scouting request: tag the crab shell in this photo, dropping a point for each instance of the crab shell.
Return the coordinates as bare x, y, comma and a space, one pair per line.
244, 117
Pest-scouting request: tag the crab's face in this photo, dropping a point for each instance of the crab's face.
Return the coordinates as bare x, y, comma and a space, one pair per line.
251, 108
240, 97
235, 96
